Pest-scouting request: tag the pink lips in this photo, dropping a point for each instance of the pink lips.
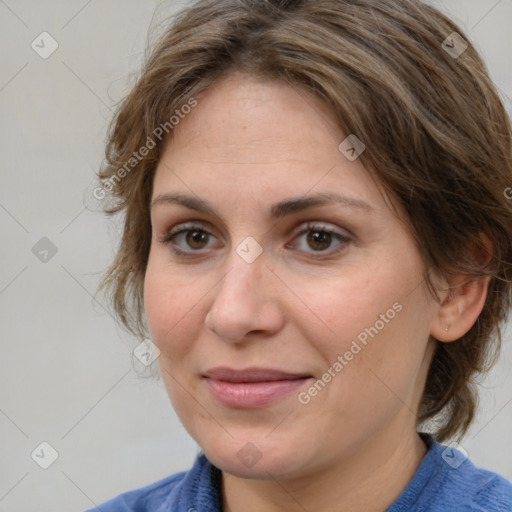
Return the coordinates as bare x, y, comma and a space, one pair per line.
251, 388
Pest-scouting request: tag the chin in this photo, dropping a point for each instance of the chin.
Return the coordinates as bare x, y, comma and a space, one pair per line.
261, 459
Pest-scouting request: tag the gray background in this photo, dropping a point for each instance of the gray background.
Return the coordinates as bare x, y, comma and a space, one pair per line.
68, 377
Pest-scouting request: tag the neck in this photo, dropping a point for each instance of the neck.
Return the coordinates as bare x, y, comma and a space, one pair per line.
370, 479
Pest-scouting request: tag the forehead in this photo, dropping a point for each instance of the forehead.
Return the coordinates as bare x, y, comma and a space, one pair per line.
240, 115
258, 139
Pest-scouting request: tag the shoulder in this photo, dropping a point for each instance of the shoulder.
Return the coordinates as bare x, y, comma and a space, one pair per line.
142, 499
447, 480
496, 495
183, 491
478, 489
457, 484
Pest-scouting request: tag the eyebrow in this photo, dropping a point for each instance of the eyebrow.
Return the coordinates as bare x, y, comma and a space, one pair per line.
277, 211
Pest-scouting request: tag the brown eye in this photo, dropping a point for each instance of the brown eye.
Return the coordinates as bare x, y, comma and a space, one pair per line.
319, 240
196, 239
187, 239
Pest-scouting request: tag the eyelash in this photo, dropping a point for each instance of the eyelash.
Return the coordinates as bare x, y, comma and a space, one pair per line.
310, 227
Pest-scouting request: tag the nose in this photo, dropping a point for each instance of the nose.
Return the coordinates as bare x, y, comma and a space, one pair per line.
245, 302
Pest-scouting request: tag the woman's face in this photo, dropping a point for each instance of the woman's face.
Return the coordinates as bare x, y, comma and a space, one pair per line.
320, 299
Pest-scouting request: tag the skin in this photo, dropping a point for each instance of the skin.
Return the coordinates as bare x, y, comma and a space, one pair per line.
246, 146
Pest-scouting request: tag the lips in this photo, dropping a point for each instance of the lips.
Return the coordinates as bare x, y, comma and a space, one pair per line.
251, 387
226, 374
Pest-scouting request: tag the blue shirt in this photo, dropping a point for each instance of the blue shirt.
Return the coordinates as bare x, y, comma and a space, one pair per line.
445, 481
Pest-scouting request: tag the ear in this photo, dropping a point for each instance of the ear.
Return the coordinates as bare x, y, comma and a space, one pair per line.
463, 302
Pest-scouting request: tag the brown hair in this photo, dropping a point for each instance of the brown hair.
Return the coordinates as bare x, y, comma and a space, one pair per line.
438, 141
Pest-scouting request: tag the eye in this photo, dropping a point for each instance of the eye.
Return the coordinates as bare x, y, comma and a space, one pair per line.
186, 239
320, 238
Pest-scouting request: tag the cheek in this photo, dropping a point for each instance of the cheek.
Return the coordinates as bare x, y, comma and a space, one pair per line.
341, 308
375, 314
170, 306
387, 368
156, 302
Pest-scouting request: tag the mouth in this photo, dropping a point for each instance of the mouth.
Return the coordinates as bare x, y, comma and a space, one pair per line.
252, 387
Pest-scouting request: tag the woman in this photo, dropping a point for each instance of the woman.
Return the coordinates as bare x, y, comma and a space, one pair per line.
317, 240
